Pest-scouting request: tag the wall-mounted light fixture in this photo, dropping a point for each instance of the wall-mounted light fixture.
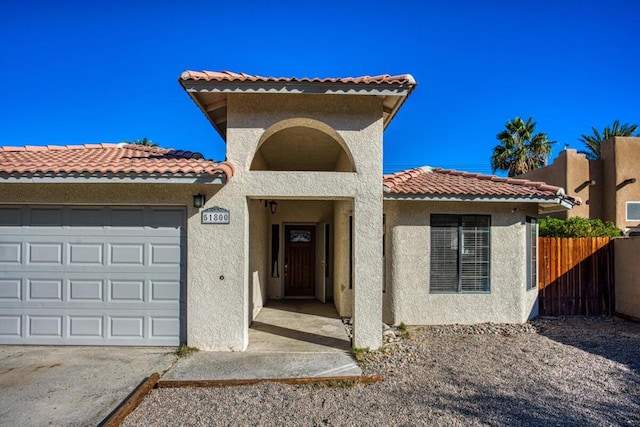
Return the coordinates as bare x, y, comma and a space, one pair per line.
273, 206
626, 182
198, 200
585, 184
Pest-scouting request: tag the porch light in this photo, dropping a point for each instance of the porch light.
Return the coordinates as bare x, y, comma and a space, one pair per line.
198, 200
273, 206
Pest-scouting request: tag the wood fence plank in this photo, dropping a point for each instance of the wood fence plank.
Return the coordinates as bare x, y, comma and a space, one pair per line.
576, 276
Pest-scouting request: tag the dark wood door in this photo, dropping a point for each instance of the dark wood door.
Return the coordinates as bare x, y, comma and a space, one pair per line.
299, 261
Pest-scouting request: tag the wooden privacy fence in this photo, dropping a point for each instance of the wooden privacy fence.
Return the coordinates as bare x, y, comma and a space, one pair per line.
576, 276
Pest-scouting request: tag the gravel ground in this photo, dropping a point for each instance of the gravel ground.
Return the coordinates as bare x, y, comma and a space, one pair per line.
551, 372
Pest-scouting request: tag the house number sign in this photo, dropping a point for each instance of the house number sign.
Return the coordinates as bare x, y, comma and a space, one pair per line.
215, 215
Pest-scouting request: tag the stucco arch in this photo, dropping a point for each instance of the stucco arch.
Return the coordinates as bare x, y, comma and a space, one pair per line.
302, 144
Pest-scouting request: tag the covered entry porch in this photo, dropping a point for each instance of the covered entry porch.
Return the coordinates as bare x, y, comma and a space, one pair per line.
300, 250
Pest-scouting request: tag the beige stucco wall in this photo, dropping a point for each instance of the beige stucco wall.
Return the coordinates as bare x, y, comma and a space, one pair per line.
222, 316
621, 157
627, 276
570, 170
407, 298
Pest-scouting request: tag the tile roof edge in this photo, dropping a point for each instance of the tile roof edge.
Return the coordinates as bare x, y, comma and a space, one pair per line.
542, 186
224, 75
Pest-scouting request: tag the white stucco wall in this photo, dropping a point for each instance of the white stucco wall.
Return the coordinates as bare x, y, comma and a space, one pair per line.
221, 316
342, 294
259, 252
407, 298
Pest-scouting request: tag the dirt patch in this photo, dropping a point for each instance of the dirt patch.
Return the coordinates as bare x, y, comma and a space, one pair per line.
566, 371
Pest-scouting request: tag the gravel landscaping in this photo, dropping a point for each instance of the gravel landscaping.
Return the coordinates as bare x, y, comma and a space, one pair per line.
562, 372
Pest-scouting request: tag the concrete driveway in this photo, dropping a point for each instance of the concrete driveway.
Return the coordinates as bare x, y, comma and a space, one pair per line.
72, 386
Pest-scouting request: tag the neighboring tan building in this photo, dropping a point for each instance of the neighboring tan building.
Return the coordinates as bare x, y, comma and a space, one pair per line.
608, 187
114, 244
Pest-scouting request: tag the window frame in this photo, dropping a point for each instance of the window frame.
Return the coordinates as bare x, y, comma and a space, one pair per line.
460, 237
626, 213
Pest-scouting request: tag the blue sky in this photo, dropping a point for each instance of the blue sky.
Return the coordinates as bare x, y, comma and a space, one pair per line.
89, 72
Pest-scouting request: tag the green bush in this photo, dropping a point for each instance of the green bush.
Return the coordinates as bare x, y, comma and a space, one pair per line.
577, 227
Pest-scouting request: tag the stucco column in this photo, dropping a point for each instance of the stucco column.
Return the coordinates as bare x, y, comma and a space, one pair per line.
367, 260
218, 285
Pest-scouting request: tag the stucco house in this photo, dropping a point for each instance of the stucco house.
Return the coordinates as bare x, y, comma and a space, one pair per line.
608, 186
114, 244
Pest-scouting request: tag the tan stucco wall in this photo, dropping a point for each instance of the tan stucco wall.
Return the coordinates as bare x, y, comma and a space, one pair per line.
621, 157
570, 170
627, 276
358, 123
408, 242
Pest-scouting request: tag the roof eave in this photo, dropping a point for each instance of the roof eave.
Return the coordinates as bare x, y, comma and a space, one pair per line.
86, 178
193, 96
398, 91
561, 203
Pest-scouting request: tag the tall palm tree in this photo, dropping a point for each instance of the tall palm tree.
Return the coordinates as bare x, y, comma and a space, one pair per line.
521, 149
592, 142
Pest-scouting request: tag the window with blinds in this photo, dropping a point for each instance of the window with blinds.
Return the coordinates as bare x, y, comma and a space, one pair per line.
460, 253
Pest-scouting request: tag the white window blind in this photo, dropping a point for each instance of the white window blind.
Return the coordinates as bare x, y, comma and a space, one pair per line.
460, 253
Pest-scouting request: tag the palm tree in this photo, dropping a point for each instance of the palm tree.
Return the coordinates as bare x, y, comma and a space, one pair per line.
592, 142
521, 149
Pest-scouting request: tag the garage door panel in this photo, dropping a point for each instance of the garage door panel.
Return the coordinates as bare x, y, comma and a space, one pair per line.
83, 291
124, 291
126, 254
10, 252
44, 253
85, 281
11, 217
86, 326
10, 289
39, 290
10, 326
45, 217
164, 254
165, 291
87, 217
126, 326
85, 253
44, 326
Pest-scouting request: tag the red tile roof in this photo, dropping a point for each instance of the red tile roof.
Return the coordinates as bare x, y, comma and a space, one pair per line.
242, 77
442, 182
107, 159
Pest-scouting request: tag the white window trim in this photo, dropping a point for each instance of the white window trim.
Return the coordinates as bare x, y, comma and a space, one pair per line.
626, 214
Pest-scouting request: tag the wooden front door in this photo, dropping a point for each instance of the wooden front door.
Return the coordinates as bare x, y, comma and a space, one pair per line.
299, 261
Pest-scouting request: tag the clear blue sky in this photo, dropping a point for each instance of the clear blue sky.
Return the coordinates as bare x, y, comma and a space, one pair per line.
88, 72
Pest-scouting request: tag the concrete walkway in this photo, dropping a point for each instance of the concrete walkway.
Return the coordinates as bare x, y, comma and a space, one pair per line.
288, 339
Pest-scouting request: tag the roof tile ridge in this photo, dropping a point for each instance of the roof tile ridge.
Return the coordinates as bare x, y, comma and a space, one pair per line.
10, 148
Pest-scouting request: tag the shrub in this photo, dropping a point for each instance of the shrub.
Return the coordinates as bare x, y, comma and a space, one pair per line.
577, 227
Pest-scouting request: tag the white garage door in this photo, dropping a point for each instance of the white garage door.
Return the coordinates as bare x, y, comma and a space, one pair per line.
92, 275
